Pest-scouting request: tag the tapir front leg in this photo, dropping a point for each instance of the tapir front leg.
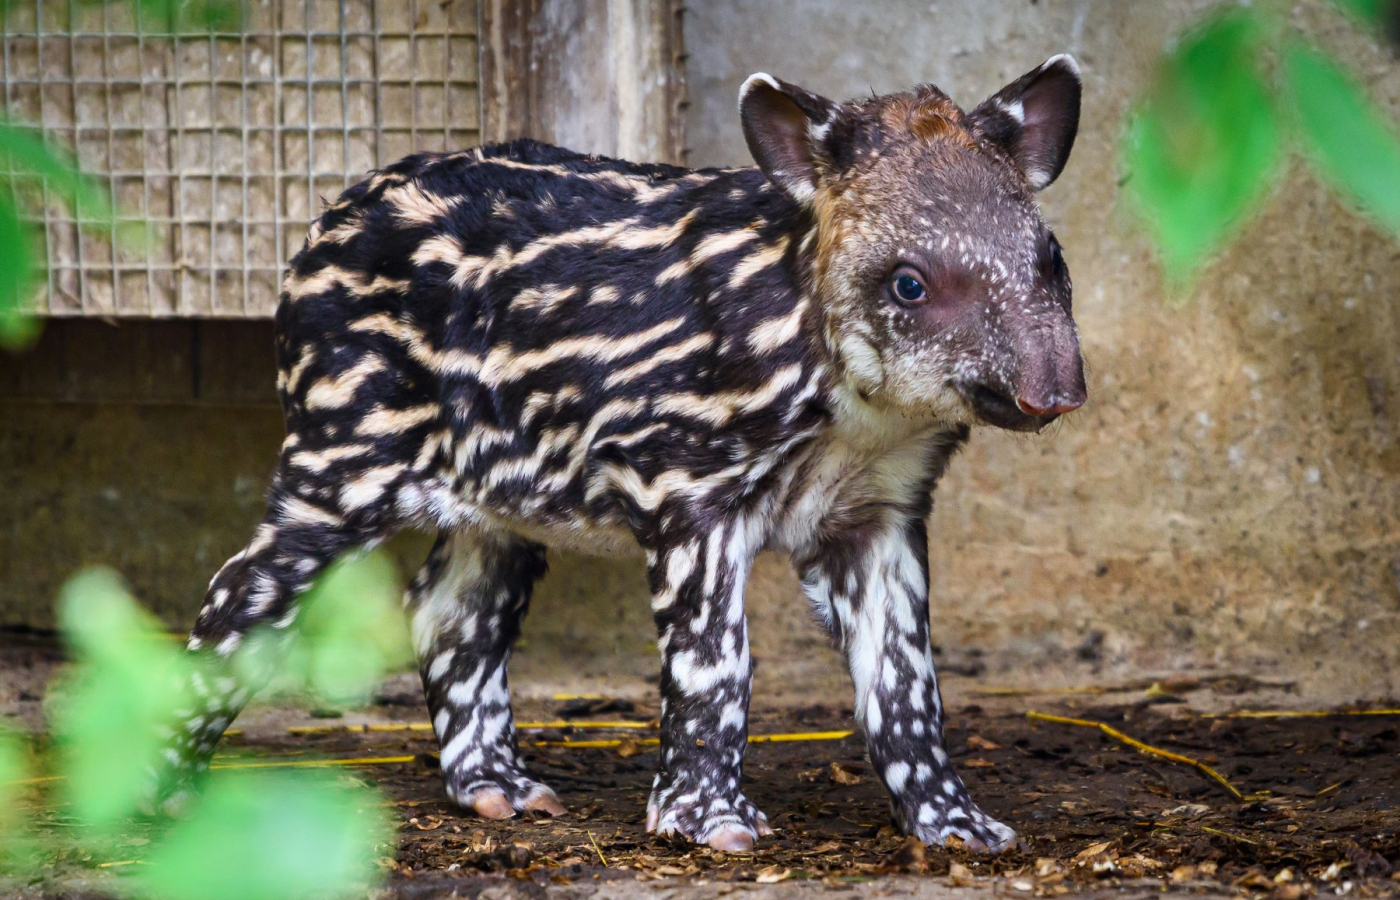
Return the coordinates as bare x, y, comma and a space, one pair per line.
871, 587
698, 601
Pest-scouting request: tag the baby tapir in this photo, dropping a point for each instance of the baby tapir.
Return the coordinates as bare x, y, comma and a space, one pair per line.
520, 347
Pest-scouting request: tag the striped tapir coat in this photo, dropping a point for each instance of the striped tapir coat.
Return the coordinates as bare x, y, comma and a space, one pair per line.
521, 347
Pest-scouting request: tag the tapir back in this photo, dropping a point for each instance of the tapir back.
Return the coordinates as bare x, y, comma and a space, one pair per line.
552, 331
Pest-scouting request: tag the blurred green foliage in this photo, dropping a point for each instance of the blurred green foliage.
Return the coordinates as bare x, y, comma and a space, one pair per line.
250, 834
1346, 137
351, 630
1208, 140
1380, 14
43, 174
186, 16
268, 835
18, 847
166, 17
39, 167
1205, 145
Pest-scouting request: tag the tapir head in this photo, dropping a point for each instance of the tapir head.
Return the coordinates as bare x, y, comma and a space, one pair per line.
943, 291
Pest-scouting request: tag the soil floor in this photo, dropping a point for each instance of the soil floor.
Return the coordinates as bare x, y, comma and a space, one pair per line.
1320, 814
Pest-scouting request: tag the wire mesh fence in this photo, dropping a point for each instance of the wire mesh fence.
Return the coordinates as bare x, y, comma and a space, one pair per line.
222, 146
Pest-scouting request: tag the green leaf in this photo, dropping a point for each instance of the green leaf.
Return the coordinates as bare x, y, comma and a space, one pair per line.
18, 847
1367, 10
351, 630
188, 16
26, 153
18, 274
1203, 146
116, 708
1384, 14
1348, 140
32, 163
268, 836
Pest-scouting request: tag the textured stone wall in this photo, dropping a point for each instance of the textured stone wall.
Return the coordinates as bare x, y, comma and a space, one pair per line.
1230, 497
1229, 500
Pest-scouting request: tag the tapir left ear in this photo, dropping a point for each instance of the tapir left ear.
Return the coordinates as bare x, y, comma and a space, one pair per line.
786, 129
1035, 118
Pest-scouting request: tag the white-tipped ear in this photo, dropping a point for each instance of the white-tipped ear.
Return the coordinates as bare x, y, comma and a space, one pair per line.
753, 81
1035, 118
785, 127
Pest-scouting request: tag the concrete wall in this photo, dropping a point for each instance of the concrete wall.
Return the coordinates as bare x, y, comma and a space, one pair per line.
1228, 501
1231, 494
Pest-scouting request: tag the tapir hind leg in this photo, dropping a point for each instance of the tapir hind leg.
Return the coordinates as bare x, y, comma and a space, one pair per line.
466, 604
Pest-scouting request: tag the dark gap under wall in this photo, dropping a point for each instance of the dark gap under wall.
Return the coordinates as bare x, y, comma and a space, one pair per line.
204, 362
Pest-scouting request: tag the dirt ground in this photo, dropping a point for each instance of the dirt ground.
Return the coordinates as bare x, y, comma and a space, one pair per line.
1321, 813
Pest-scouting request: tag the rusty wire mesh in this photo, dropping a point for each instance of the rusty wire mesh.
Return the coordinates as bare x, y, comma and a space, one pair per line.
224, 144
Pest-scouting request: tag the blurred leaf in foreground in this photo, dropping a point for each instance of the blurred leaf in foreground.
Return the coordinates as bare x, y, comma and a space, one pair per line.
18, 275
116, 709
187, 16
349, 634
1203, 146
18, 848
24, 151
1347, 138
265, 835
1382, 14
34, 163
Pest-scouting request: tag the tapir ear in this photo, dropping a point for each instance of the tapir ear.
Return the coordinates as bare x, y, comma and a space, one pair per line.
786, 128
1035, 118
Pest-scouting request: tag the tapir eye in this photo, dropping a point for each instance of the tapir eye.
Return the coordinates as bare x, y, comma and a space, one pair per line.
907, 288
1056, 261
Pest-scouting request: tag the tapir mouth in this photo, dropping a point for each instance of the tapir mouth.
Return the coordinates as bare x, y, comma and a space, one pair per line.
998, 409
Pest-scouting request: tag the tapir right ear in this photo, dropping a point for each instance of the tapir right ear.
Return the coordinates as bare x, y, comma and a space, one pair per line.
785, 127
1035, 118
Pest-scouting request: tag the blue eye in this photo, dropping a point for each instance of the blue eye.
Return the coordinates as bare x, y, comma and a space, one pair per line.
908, 289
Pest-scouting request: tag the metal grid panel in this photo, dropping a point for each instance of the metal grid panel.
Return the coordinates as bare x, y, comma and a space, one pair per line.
223, 145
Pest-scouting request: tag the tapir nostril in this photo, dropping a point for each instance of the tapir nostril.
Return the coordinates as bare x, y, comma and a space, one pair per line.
1031, 409
1056, 406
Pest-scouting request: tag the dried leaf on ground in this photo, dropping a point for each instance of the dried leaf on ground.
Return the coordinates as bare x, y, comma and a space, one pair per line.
959, 875
773, 875
842, 775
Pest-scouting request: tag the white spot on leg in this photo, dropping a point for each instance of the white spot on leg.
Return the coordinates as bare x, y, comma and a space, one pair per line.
439, 666
896, 775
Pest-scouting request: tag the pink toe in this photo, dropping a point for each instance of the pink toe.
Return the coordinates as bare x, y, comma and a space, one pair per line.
545, 801
732, 840
491, 804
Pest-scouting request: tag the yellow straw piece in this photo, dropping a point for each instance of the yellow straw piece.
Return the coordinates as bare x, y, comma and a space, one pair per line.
38, 779
800, 736
999, 691
428, 726
1298, 713
594, 745
753, 739
1226, 834
603, 859
1142, 748
356, 729
403, 760
620, 725
316, 763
